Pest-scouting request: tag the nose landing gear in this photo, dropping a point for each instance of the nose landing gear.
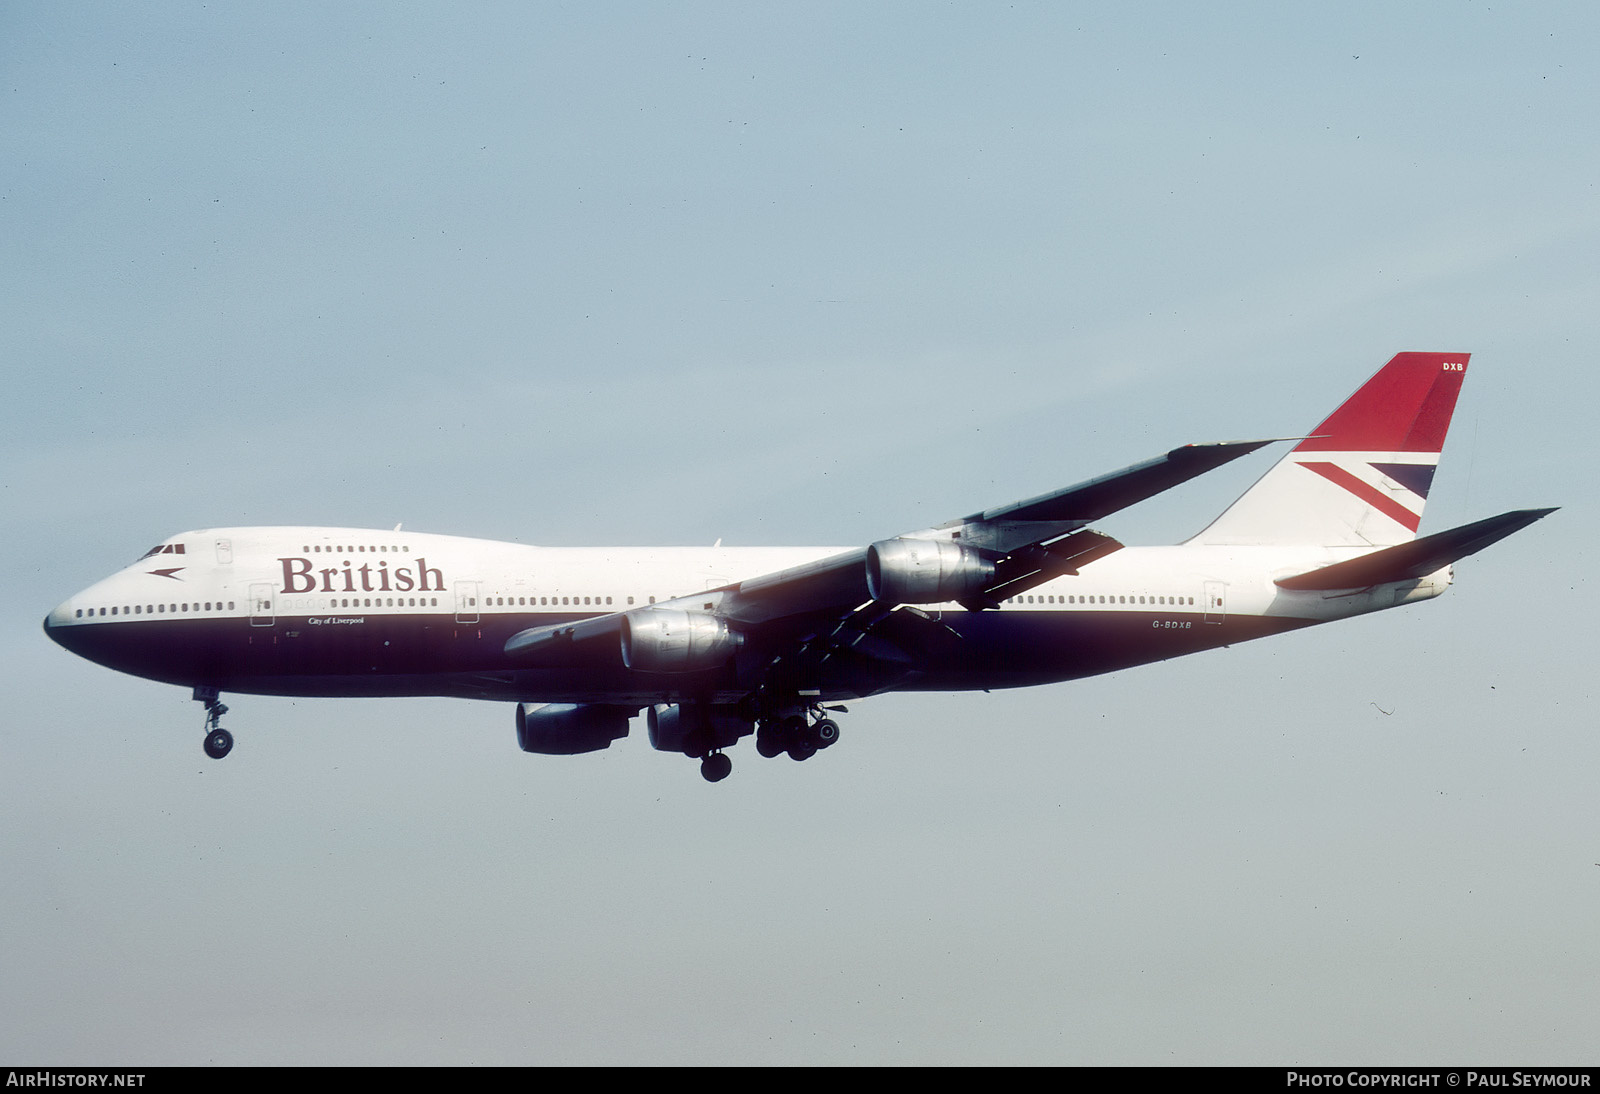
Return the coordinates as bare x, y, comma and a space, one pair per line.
716, 766
219, 742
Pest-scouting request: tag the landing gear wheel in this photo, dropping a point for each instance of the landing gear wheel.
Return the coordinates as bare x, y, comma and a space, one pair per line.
800, 735
825, 732
219, 742
798, 739
716, 767
770, 740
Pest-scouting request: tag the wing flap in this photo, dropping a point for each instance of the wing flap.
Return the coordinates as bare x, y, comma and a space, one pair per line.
558, 644
839, 581
1033, 566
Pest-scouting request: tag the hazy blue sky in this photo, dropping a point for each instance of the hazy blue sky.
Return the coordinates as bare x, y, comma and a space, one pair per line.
814, 273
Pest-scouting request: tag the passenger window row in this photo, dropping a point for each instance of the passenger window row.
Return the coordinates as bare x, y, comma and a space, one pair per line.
359, 548
1167, 601
319, 604
153, 609
544, 601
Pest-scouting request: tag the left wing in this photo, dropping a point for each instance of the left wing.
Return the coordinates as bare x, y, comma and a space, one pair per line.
976, 561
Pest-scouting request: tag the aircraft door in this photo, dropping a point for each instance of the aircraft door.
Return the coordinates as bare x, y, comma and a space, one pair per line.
466, 602
1216, 601
261, 607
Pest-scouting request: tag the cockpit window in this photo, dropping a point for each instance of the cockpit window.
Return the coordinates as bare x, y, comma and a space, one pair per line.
163, 549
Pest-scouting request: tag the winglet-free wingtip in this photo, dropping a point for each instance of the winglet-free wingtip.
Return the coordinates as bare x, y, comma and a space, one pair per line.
1101, 496
1233, 449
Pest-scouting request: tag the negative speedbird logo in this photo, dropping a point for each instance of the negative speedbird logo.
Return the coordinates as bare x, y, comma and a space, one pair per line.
1371, 485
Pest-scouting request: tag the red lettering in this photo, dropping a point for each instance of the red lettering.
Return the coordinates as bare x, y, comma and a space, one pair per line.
424, 571
295, 571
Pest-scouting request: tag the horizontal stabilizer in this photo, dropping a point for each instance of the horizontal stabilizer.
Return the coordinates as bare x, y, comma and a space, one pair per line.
1418, 558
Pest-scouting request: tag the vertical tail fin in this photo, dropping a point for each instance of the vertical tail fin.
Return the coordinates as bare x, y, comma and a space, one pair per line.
1362, 476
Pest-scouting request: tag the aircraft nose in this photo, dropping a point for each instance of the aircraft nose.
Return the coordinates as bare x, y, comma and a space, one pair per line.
53, 621
55, 625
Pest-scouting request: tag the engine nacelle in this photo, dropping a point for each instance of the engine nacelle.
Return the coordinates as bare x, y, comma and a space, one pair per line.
925, 571
696, 728
669, 640
566, 729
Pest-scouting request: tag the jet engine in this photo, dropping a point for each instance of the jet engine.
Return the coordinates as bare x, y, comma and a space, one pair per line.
565, 729
695, 728
668, 640
925, 571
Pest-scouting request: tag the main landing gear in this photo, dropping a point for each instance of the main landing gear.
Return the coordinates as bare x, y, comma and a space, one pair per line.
219, 742
802, 736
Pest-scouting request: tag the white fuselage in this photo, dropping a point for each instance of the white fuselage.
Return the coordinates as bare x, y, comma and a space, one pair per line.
334, 611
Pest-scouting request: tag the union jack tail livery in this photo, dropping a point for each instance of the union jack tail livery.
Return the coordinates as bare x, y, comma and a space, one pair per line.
1361, 478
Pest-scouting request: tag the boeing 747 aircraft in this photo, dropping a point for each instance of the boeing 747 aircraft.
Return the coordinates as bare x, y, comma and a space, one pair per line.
714, 644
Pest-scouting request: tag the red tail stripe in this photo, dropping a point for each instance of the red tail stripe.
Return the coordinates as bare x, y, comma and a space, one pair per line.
1369, 494
1406, 407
